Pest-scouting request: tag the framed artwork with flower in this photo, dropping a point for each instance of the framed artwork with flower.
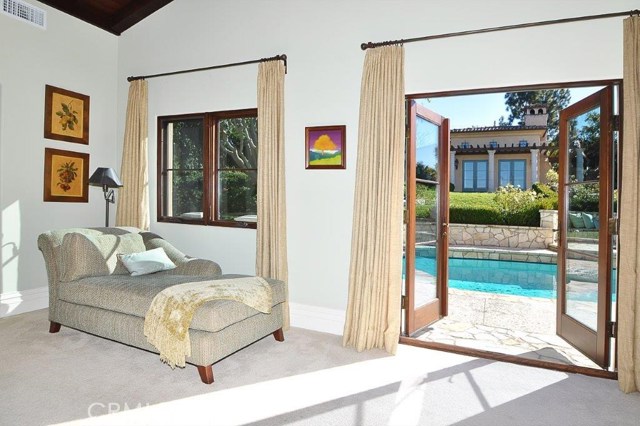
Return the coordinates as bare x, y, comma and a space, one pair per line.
66, 115
326, 147
66, 176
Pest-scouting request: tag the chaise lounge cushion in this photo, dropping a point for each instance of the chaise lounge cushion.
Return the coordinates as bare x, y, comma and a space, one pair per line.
133, 296
93, 256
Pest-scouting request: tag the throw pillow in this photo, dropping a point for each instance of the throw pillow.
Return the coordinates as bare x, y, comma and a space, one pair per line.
588, 221
147, 262
576, 221
94, 256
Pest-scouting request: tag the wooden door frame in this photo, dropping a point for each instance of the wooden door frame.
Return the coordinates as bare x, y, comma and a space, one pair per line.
437, 308
594, 344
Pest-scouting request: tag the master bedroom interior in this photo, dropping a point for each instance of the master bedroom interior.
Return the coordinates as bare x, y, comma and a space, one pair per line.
248, 159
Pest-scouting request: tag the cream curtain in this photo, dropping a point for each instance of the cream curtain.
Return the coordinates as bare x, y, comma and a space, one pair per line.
133, 197
271, 250
629, 286
373, 310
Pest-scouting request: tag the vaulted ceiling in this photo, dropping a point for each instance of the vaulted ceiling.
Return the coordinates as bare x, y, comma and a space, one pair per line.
114, 16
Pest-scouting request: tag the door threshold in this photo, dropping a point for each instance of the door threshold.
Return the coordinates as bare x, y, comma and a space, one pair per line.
513, 359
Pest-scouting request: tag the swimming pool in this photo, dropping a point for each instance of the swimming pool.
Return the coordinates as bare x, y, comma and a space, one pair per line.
498, 276
506, 277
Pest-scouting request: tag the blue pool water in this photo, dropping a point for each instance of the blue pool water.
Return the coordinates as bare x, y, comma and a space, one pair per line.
497, 276
505, 277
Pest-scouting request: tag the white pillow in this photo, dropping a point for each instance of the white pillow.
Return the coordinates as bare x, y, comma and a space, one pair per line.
147, 262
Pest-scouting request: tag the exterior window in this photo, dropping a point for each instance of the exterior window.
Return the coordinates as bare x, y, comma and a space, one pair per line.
207, 168
513, 172
475, 176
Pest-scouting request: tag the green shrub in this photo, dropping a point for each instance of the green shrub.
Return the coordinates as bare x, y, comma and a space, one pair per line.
518, 207
476, 215
584, 198
547, 196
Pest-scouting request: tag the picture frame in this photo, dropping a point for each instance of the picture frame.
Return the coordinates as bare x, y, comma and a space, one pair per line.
326, 147
66, 176
66, 115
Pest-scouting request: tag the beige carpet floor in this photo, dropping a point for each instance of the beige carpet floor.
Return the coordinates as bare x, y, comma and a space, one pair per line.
307, 380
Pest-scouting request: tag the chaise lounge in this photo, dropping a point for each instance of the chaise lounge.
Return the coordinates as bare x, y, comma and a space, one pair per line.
90, 290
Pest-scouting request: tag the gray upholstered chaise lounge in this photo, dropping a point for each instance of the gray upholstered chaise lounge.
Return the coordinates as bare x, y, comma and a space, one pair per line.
113, 306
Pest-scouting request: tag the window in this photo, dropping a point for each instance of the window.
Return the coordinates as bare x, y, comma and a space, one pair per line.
208, 168
475, 176
513, 172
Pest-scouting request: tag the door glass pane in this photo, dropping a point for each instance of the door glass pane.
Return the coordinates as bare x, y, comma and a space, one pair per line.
481, 175
427, 139
584, 146
582, 272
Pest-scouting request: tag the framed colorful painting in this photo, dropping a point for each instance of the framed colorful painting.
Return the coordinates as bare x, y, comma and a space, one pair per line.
326, 147
66, 176
66, 115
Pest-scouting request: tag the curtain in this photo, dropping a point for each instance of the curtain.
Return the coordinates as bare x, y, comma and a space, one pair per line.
133, 197
271, 250
373, 309
629, 289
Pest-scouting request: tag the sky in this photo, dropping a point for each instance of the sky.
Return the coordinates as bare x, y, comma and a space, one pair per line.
468, 111
482, 110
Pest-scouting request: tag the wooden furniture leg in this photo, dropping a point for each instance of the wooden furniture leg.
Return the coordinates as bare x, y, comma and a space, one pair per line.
54, 327
206, 373
279, 335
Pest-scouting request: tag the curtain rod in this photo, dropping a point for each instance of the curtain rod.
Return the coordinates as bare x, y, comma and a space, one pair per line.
282, 58
369, 45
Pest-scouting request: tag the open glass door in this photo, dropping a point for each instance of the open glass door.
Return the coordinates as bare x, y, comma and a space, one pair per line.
427, 217
586, 225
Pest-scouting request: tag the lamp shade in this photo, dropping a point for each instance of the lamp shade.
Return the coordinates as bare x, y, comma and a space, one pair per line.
105, 176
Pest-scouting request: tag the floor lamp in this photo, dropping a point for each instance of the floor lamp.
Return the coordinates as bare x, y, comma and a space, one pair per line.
107, 178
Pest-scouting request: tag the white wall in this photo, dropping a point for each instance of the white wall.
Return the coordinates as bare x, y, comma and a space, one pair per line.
322, 40
68, 54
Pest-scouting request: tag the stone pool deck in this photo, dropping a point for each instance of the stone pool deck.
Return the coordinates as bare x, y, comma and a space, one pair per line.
513, 325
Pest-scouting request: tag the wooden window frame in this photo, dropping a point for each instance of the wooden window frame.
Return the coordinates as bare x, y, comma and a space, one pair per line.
211, 167
512, 171
475, 176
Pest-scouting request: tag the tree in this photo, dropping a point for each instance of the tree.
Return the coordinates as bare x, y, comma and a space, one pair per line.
426, 172
555, 100
239, 142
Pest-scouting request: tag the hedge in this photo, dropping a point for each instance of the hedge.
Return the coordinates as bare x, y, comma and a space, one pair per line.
481, 209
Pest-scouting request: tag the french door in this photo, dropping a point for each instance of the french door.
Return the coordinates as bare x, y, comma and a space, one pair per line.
587, 225
427, 218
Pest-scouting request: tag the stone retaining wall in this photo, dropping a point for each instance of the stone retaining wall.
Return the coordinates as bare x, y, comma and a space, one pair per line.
522, 237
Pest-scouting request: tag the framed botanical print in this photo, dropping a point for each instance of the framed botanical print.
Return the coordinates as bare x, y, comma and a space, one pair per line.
66, 115
66, 176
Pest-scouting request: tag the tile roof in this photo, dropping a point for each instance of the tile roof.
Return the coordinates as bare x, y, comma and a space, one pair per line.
497, 129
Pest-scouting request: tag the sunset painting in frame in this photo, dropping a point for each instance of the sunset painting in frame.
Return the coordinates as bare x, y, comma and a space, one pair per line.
326, 147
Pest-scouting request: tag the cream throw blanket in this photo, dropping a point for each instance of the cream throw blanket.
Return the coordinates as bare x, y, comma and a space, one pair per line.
167, 321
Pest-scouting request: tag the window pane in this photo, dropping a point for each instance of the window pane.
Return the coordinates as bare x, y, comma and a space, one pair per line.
185, 140
238, 143
184, 194
237, 194
505, 167
481, 166
182, 171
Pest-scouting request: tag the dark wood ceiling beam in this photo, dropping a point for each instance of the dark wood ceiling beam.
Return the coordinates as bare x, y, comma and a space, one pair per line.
82, 11
134, 13
118, 17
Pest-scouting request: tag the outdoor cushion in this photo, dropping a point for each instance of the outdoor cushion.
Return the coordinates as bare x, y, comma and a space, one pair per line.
576, 220
147, 262
94, 256
588, 221
133, 296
